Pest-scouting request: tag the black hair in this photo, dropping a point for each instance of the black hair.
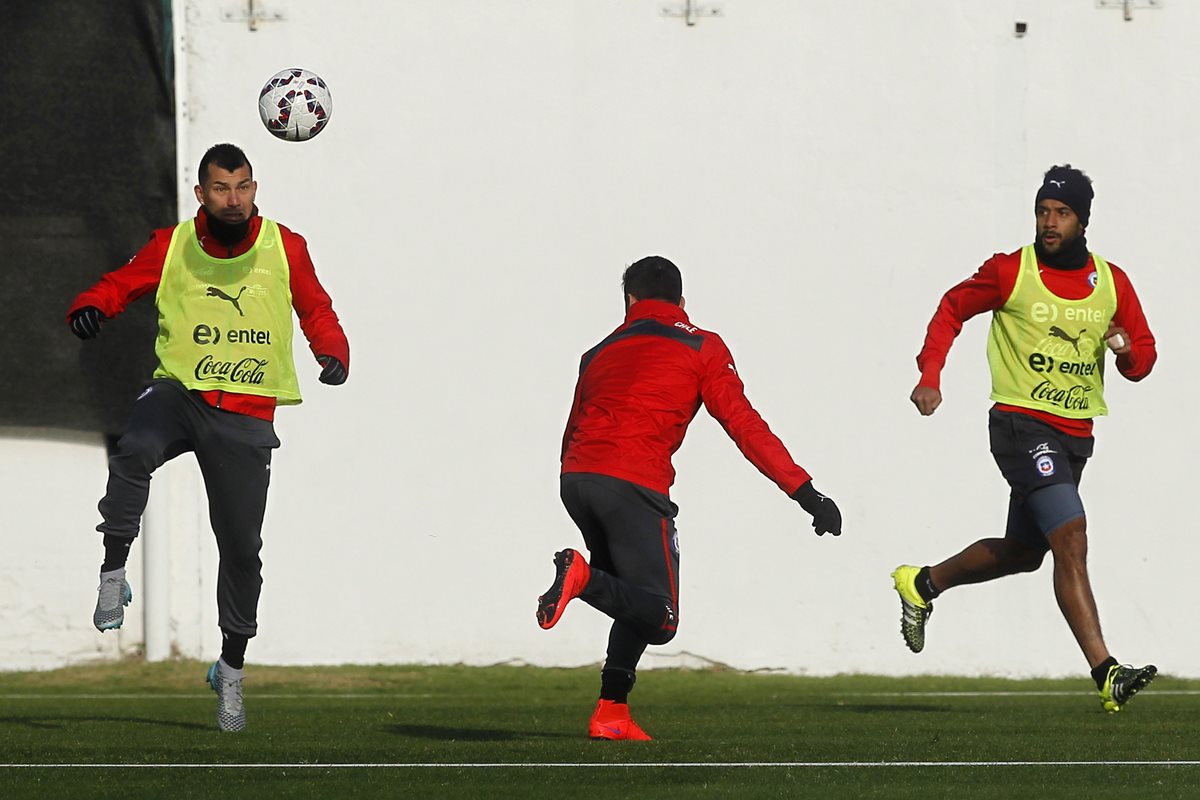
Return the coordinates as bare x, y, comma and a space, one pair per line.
226, 156
1065, 171
653, 278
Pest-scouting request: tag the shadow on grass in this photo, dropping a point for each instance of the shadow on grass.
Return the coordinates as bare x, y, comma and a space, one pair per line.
448, 734
60, 723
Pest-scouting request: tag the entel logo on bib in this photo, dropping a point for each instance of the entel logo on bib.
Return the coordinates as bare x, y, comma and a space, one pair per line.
1045, 465
1048, 312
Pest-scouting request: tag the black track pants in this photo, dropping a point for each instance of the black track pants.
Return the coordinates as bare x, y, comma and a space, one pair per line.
234, 454
629, 532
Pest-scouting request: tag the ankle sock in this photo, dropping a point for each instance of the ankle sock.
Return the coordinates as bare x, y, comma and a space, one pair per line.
616, 684
925, 586
233, 648
1100, 673
116, 552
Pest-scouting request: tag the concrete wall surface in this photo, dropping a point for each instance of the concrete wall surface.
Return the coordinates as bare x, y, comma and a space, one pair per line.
821, 172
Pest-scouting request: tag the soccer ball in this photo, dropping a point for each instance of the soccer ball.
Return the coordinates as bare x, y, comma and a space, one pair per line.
295, 104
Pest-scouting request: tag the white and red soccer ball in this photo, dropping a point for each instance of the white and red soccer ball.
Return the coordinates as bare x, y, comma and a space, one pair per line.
295, 104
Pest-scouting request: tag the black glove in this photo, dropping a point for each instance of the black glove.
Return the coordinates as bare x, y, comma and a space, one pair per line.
826, 516
334, 372
85, 322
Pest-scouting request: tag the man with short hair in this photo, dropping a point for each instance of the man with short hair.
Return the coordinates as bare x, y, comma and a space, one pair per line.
637, 392
226, 283
1056, 308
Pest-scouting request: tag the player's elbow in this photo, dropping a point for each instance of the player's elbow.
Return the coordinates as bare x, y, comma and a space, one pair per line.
1136, 374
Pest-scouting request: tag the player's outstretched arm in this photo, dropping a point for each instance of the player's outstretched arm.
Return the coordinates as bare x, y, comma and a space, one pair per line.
827, 517
117, 289
926, 399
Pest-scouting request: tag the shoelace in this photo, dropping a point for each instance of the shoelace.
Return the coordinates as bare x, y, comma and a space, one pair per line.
110, 592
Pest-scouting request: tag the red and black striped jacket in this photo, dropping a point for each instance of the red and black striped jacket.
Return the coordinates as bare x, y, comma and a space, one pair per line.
640, 388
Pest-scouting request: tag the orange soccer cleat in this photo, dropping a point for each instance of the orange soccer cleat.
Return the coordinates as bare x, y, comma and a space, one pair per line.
571, 574
611, 720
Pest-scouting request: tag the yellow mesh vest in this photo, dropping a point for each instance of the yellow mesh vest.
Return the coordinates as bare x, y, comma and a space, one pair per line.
1047, 353
226, 323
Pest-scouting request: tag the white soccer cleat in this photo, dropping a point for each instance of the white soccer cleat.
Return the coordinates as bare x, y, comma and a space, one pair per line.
113, 594
227, 683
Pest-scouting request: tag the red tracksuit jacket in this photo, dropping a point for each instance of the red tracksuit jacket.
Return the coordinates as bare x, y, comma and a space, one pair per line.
989, 288
117, 289
640, 388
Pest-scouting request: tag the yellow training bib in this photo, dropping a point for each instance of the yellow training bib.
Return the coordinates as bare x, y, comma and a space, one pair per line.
226, 323
1047, 353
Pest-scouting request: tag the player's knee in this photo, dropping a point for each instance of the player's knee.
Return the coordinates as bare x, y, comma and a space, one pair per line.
661, 636
665, 630
1030, 560
241, 554
138, 450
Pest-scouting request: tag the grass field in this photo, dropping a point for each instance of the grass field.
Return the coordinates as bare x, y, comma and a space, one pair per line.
520, 732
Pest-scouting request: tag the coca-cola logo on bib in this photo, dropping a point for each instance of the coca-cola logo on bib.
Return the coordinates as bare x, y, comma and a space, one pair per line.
246, 371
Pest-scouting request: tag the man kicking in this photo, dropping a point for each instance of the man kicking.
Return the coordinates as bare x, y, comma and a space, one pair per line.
637, 392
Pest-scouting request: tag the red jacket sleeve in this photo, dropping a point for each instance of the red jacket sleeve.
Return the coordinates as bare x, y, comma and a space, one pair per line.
986, 290
725, 398
113, 293
313, 306
1137, 363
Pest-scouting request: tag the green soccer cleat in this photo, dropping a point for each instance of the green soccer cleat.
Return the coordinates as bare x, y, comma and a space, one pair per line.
914, 611
1122, 683
112, 596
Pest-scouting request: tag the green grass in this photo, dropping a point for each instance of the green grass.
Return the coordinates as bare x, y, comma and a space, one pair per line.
132, 713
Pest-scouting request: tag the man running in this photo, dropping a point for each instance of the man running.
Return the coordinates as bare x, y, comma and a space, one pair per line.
1056, 309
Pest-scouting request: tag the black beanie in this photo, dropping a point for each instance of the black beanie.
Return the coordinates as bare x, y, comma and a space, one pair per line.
1071, 186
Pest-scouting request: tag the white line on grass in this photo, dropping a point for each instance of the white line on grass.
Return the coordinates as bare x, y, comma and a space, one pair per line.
586, 765
208, 696
1163, 693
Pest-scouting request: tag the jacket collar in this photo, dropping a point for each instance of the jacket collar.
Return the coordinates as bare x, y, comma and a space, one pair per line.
655, 309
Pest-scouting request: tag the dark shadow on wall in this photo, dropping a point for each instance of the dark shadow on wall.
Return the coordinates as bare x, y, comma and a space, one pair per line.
88, 171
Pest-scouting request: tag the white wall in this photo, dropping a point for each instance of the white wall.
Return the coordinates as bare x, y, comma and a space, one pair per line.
821, 172
48, 576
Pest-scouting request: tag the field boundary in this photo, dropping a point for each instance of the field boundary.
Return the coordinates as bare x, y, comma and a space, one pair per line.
207, 694
630, 765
